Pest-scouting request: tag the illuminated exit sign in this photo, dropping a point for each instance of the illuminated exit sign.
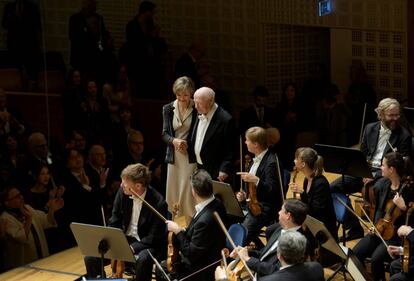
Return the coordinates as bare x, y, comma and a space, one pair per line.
324, 7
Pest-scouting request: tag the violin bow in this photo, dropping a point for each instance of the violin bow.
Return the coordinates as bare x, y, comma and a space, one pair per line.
241, 161
220, 222
352, 211
280, 178
394, 149
376, 231
362, 124
148, 205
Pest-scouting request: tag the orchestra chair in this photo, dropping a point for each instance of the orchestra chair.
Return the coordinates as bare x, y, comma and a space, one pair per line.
238, 233
340, 211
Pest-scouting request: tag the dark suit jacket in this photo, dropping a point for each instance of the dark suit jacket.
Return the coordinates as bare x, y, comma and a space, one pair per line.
217, 148
168, 133
268, 190
249, 118
271, 263
320, 204
201, 243
308, 271
151, 229
400, 138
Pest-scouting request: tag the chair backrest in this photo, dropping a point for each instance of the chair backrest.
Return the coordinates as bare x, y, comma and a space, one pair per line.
238, 233
340, 210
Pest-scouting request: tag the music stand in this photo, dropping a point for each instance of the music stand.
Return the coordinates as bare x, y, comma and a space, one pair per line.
409, 117
102, 242
344, 161
225, 193
349, 262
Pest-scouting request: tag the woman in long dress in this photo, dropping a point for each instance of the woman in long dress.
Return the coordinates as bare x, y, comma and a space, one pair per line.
178, 121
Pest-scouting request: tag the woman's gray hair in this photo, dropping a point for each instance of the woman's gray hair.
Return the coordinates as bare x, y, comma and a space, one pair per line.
292, 247
384, 104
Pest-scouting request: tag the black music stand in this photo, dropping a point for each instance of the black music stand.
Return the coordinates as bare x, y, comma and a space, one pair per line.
102, 242
349, 262
408, 113
344, 161
225, 193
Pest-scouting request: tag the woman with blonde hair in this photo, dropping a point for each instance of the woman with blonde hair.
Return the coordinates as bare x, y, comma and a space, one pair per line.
315, 191
178, 121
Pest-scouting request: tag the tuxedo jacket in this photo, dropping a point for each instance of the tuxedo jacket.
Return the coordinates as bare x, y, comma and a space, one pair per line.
268, 190
249, 118
201, 244
168, 133
400, 139
308, 271
270, 263
151, 229
219, 140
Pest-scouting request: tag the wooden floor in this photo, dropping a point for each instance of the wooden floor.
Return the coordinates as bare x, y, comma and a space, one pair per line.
68, 265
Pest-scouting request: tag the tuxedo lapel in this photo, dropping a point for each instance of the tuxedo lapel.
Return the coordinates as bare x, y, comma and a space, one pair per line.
275, 236
212, 127
373, 138
127, 210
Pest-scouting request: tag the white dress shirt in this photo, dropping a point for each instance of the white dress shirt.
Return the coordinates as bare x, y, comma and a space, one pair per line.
136, 211
202, 127
274, 246
384, 136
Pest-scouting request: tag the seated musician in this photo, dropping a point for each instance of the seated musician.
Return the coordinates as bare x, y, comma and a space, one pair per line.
396, 272
143, 228
376, 141
391, 194
315, 191
201, 243
263, 174
265, 261
290, 253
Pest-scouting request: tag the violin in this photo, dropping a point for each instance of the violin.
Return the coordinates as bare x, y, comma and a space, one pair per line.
296, 195
118, 268
252, 203
385, 225
368, 195
173, 255
405, 258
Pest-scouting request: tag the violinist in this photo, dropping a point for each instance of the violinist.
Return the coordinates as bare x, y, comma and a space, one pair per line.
143, 229
315, 191
265, 261
201, 243
395, 269
379, 138
391, 193
290, 253
263, 178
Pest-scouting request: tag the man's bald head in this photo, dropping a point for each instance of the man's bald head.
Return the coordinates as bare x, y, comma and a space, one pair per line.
204, 100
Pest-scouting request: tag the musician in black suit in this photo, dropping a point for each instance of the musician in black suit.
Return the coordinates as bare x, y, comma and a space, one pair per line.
290, 253
143, 228
396, 267
201, 243
263, 175
265, 261
213, 135
258, 114
379, 138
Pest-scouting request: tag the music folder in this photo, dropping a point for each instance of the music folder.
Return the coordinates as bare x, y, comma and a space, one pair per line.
224, 192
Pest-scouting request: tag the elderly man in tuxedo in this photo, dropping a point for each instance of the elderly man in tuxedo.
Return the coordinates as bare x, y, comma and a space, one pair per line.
213, 135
